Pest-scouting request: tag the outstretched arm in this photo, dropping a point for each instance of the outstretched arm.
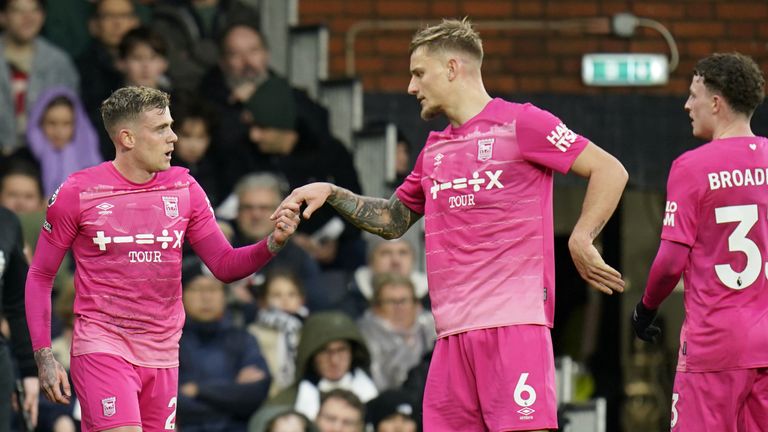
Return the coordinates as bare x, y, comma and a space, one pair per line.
607, 178
386, 218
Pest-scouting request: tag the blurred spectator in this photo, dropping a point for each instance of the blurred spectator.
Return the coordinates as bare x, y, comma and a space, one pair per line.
256, 196
194, 124
332, 354
223, 377
277, 144
110, 21
21, 190
66, 25
278, 325
341, 411
393, 411
397, 330
242, 67
290, 421
61, 137
385, 256
28, 66
403, 164
13, 276
142, 59
192, 28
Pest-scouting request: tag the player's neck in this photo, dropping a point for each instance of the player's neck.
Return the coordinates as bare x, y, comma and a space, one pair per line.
733, 129
467, 105
132, 173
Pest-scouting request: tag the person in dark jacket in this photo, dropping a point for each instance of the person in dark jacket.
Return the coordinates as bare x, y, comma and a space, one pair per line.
223, 377
332, 354
13, 276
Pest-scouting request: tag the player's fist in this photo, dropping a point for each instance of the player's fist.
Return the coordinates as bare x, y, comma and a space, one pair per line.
642, 322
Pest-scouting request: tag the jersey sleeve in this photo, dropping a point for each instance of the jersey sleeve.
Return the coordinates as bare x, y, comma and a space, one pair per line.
202, 221
544, 139
682, 207
63, 216
410, 192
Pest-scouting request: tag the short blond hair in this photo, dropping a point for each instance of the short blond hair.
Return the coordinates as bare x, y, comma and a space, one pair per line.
128, 103
449, 35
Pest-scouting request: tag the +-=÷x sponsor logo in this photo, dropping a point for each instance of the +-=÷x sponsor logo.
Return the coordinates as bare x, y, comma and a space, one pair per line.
164, 239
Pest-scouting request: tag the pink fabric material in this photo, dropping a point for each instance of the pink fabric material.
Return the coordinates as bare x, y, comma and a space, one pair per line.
485, 189
665, 273
114, 393
229, 264
37, 293
716, 205
127, 240
498, 379
725, 401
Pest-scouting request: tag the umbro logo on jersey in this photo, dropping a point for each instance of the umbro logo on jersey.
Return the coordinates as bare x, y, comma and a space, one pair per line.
439, 159
105, 207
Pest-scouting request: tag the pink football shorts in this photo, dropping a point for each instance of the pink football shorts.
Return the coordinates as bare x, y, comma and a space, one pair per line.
114, 393
496, 379
723, 401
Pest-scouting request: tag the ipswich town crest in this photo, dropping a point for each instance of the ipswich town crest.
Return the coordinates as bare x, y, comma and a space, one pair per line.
171, 205
485, 149
108, 406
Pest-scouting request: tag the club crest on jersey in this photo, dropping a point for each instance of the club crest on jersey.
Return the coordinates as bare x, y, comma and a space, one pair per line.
485, 149
108, 406
171, 205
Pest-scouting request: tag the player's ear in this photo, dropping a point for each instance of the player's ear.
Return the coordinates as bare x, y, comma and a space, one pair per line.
453, 68
126, 138
717, 103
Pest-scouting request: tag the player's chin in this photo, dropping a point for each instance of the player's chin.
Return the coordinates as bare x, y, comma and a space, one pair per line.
429, 112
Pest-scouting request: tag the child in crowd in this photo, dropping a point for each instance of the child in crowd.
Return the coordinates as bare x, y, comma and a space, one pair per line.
143, 60
278, 324
61, 137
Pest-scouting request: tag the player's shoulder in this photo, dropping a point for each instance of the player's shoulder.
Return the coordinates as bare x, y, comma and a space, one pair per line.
176, 173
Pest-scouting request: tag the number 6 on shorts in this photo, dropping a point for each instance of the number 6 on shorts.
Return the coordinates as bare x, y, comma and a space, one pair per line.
521, 388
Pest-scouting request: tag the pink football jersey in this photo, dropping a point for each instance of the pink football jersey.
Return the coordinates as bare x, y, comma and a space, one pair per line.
485, 190
717, 204
127, 239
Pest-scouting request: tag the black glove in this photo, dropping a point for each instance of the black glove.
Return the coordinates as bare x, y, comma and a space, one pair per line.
642, 322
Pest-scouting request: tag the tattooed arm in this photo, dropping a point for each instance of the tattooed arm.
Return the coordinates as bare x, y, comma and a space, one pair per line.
388, 219
607, 178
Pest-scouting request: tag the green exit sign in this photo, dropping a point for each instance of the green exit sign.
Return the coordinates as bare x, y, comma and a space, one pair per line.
624, 69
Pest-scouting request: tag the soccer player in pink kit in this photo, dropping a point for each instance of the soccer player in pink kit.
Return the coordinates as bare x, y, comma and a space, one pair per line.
126, 221
715, 235
484, 186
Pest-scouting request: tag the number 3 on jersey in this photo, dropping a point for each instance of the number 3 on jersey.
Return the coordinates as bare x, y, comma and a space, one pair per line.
746, 216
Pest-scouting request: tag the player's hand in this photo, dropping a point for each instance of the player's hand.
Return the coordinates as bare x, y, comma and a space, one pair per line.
31, 398
285, 224
642, 322
313, 194
592, 268
53, 377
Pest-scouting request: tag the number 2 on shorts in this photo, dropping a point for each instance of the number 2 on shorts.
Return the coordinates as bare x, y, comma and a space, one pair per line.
170, 422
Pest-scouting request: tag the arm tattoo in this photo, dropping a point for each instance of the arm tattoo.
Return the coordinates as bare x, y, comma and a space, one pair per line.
388, 219
595, 232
